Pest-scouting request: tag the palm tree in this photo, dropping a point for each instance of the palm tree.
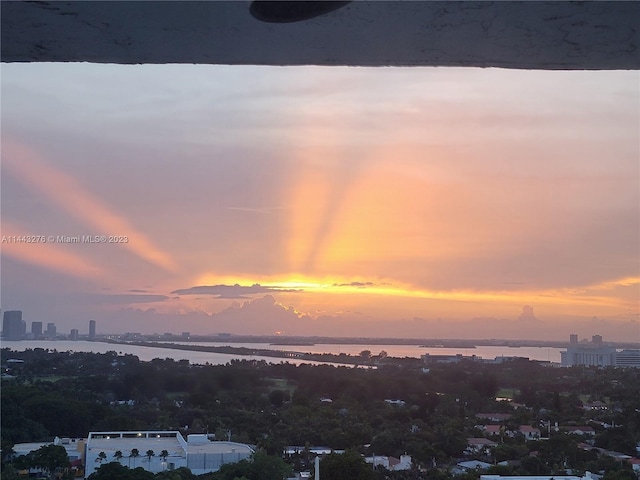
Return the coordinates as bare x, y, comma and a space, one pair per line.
117, 455
163, 455
101, 456
134, 453
149, 454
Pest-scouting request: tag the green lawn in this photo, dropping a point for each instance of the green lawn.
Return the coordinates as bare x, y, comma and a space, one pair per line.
504, 392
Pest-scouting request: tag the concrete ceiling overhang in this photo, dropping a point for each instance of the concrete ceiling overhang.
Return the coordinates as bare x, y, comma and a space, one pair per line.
523, 35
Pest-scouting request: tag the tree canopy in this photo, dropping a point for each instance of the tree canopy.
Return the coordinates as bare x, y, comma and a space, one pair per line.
347, 466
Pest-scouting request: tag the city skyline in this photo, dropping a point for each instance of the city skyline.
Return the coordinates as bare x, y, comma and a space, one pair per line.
417, 202
33, 330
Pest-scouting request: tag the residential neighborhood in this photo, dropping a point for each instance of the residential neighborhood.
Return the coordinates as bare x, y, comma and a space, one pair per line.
396, 421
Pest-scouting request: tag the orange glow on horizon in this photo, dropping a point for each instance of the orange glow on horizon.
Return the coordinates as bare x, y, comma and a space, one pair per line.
622, 282
384, 288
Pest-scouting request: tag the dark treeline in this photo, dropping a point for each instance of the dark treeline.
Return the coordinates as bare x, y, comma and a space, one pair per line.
274, 405
341, 358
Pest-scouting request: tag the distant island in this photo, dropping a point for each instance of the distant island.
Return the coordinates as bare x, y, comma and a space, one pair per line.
342, 358
450, 344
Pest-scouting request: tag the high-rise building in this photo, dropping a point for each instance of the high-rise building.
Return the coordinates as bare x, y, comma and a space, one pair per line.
73, 335
51, 331
590, 354
92, 328
36, 329
13, 328
597, 354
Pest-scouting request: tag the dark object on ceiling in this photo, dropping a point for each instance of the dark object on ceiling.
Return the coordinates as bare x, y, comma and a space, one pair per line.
544, 35
288, 12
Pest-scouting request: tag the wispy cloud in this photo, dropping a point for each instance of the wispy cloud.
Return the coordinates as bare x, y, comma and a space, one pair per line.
355, 284
231, 291
621, 282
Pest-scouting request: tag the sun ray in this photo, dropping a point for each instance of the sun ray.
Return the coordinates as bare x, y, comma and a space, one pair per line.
329, 166
46, 255
69, 195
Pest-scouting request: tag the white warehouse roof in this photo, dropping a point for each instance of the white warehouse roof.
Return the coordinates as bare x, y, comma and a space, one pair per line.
198, 453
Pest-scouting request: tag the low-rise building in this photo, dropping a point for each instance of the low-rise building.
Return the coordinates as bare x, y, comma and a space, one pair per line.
428, 358
587, 476
595, 405
390, 463
197, 453
635, 464
493, 429
581, 430
317, 451
628, 358
470, 466
74, 447
479, 445
494, 417
529, 432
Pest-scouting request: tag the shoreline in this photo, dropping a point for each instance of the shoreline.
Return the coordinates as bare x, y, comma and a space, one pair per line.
328, 358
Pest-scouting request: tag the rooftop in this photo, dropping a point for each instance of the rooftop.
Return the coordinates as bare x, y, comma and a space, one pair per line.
173, 442
111, 442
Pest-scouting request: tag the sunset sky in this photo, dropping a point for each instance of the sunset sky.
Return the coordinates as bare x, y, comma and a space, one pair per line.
405, 202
